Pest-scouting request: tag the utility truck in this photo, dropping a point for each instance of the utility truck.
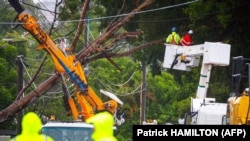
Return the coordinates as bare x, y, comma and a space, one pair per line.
238, 109
203, 110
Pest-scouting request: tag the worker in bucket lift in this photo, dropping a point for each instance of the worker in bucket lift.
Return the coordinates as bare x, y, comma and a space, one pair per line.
103, 127
187, 40
173, 37
31, 126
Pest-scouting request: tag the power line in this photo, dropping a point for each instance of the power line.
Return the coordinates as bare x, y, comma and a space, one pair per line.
108, 88
117, 16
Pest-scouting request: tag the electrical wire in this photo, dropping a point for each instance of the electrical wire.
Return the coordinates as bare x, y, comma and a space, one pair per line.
108, 88
116, 16
24, 66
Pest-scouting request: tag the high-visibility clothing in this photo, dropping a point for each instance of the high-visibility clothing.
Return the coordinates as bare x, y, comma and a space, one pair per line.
45, 138
186, 40
103, 127
31, 126
173, 38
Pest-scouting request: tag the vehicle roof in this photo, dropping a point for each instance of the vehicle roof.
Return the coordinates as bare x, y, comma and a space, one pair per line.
67, 124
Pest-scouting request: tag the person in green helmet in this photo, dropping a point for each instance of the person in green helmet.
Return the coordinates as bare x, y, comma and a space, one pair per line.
173, 37
103, 127
31, 126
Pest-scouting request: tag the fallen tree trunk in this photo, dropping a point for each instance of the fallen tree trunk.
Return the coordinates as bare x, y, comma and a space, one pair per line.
18, 105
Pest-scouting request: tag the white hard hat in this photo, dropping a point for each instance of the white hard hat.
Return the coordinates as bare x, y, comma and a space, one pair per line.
247, 89
190, 32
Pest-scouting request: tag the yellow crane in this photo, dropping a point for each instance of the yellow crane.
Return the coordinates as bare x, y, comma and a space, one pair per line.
67, 65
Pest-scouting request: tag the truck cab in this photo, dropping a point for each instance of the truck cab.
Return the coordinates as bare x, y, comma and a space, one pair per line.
208, 113
68, 131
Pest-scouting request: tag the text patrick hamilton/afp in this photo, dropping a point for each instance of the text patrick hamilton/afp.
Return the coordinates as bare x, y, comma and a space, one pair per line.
190, 132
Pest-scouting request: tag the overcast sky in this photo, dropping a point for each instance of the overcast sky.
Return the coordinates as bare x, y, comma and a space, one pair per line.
47, 4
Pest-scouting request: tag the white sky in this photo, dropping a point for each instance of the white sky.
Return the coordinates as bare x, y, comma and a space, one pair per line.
49, 4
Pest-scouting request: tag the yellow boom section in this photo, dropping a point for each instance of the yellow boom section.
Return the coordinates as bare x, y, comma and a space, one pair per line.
70, 67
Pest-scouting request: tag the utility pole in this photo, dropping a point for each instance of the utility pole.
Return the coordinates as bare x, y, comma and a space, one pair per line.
143, 93
20, 84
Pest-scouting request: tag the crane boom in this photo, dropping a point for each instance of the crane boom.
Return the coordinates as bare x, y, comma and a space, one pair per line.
68, 66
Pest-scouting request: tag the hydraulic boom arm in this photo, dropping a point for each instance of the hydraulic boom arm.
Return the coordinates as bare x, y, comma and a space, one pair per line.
185, 58
68, 66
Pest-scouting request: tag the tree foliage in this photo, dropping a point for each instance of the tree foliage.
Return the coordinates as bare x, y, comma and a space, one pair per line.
8, 77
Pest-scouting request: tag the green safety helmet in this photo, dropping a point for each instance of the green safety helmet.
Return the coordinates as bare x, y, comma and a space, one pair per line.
173, 29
